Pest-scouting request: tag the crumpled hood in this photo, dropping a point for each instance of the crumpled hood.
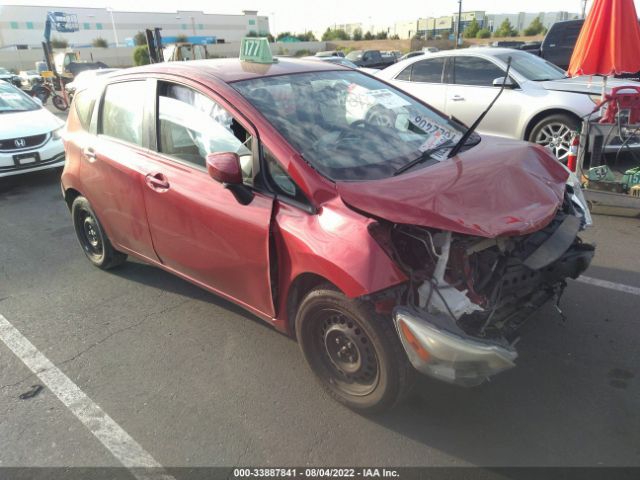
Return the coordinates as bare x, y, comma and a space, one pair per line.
24, 124
499, 187
585, 84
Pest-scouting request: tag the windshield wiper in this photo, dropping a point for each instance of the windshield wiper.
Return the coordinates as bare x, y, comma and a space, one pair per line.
423, 157
455, 150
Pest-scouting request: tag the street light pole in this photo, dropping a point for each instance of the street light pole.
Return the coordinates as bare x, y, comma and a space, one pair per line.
113, 24
458, 27
584, 8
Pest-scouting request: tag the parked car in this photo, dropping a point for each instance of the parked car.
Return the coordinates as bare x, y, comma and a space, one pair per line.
370, 59
30, 135
415, 53
9, 77
541, 104
559, 42
29, 78
382, 256
507, 44
330, 53
342, 61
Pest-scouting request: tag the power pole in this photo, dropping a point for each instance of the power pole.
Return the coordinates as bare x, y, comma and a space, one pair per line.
584, 8
458, 27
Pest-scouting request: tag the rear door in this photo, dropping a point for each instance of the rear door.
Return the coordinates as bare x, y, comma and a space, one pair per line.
423, 79
113, 163
198, 227
470, 91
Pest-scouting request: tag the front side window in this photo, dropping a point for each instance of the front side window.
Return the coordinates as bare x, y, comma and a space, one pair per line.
123, 110
191, 125
347, 125
475, 71
532, 67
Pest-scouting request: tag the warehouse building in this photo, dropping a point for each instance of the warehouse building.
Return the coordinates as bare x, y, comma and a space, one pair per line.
23, 26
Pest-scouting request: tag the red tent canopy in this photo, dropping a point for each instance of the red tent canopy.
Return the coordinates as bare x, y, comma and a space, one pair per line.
609, 42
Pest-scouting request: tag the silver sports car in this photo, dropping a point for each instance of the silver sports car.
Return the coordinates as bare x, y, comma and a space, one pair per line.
541, 104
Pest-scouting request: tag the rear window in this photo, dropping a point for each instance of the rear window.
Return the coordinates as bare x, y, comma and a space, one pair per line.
122, 111
84, 102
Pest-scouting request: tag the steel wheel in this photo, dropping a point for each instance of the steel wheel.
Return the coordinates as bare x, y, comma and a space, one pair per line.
90, 241
348, 358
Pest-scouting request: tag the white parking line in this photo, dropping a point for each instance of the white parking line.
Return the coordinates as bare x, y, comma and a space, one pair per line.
121, 445
610, 285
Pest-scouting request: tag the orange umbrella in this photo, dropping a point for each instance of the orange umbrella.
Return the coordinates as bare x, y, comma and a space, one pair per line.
609, 42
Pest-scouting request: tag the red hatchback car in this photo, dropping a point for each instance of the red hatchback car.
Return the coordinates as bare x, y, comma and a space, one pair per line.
323, 201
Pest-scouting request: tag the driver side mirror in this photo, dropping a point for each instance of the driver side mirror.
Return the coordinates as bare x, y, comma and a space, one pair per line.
224, 167
508, 83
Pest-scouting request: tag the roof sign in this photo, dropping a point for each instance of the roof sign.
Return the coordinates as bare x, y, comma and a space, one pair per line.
256, 50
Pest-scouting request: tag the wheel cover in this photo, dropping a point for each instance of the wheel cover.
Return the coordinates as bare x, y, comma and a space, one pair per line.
555, 136
347, 356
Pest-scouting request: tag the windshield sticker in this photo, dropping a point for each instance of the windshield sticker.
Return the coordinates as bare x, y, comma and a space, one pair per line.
388, 99
429, 127
10, 96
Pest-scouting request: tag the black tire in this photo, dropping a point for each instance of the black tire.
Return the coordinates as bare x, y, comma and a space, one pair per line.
354, 352
59, 103
92, 237
555, 133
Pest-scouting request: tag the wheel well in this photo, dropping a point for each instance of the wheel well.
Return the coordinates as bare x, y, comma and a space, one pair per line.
547, 113
70, 195
299, 288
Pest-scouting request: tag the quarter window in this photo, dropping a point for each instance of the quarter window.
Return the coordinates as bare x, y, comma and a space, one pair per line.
122, 111
84, 102
281, 181
405, 74
428, 71
191, 125
475, 71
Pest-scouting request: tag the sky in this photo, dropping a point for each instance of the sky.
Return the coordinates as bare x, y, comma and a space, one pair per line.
300, 15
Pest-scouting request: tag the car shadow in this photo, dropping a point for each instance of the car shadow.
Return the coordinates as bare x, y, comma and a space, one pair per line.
16, 185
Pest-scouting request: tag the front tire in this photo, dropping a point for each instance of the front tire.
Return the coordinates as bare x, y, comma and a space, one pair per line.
59, 103
92, 237
354, 352
554, 132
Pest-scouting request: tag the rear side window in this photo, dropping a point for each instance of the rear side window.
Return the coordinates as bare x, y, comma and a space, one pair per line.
122, 111
84, 102
428, 71
405, 74
475, 71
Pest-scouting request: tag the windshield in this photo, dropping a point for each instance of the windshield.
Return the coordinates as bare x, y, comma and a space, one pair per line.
532, 67
347, 125
4, 71
355, 55
13, 100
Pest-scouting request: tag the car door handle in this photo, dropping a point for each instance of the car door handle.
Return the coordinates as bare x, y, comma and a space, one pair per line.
157, 182
457, 98
89, 153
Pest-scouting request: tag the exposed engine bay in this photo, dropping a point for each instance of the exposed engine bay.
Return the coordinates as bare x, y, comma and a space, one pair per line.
483, 289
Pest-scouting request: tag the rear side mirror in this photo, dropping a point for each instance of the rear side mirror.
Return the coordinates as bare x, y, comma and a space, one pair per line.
508, 83
224, 167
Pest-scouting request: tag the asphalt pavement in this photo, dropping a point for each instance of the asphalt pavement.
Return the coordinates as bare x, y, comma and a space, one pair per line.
197, 381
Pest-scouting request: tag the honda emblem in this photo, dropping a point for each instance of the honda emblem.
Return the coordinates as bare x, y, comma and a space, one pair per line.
20, 142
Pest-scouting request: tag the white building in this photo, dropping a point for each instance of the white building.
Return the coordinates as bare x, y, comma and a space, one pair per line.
24, 25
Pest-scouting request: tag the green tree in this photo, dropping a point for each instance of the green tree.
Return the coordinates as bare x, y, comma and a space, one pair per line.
368, 35
141, 55
270, 38
395, 36
472, 29
505, 30
59, 43
282, 35
483, 33
139, 39
306, 37
100, 43
535, 28
381, 36
357, 34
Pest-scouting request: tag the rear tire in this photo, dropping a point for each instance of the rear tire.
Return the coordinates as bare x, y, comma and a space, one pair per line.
354, 352
59, 103
92, 237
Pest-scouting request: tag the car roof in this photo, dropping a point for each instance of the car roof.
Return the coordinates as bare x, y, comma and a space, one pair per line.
491, 51
232, 69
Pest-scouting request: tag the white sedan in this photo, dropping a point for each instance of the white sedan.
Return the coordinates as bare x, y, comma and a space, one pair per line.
29, 134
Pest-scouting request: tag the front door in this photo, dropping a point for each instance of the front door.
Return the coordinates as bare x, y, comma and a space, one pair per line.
198, 227
423, 79
471, 90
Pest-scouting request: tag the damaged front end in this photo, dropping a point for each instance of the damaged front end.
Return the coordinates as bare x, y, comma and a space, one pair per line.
467, 296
